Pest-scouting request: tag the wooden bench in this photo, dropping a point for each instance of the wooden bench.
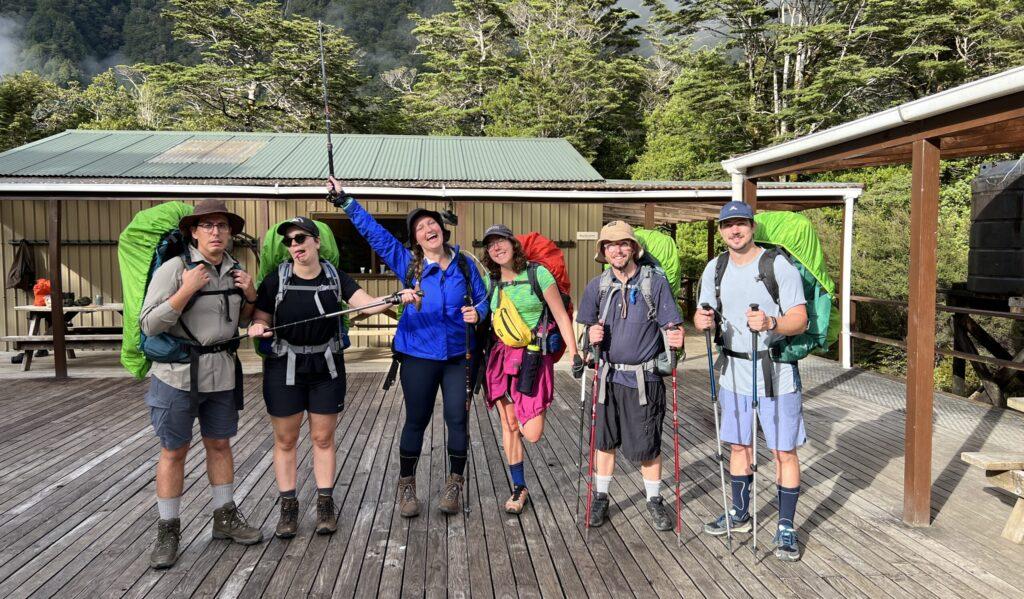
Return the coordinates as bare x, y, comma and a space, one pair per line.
1005, 471
73, 341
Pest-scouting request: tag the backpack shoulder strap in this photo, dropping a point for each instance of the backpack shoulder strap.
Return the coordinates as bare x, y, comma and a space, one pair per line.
646, 274
531, 275
333, 278
464, 267
766, 273
284, 274
603, 298
721, 263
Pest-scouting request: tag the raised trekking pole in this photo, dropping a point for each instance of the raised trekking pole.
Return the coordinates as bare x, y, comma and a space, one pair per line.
675, 443
593, 437
718, 435
753, 432
583, 406
332, 195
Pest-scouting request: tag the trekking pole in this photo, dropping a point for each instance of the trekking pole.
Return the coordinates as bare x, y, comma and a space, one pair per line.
332, 195
675, 443
753, 431
392, 300
593, 438
469, 396
583, 405
718, 434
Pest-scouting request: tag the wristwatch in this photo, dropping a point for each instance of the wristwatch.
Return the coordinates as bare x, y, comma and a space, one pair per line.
775, 323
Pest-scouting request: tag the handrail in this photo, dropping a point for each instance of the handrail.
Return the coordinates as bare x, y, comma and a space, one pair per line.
940, 307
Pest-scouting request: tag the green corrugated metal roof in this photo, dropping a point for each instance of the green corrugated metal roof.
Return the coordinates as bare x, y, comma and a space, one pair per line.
225, 155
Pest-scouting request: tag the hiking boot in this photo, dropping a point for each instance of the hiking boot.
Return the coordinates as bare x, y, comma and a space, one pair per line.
326, 520
165, 549
451, 494
786, 547
718, 528
228, 523
288, 523
408, 503
661, 516
518, 501
599, 509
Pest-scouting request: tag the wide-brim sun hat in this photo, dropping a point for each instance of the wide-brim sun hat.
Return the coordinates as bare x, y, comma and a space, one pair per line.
207, 208
617, 230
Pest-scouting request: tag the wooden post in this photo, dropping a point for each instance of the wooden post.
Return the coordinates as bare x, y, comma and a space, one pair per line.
60, 356
711, 240
924, 216
846, 282
750, 192
649, 216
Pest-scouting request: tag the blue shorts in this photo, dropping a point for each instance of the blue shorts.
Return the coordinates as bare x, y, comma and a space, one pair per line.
780, 418
172, 421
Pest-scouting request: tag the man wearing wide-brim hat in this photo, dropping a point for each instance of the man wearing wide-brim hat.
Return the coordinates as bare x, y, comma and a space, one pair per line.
631, 319
201, 298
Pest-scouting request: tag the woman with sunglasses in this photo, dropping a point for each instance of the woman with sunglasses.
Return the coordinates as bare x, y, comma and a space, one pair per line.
521, 409
305, 371
430, 340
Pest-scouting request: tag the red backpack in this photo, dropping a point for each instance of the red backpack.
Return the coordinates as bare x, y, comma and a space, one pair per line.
541, 250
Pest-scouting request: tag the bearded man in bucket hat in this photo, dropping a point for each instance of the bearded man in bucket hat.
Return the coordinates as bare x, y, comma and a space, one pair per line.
630, 315
204, 297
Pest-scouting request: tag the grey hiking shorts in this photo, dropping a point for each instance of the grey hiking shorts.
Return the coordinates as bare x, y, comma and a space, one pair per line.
172, 421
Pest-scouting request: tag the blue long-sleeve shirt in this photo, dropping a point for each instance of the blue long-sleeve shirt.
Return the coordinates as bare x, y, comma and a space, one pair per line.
436, 331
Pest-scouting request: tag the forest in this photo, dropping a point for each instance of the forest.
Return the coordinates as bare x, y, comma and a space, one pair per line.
645, 89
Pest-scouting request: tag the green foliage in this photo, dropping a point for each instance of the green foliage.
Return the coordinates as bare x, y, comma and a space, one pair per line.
19, 95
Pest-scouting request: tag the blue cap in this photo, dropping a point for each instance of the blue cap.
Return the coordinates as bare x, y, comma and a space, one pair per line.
736, 210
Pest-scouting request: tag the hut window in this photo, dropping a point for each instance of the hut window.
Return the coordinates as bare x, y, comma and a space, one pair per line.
356, 256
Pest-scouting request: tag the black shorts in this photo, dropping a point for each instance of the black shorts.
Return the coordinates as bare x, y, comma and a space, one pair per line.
316, 393
623, 424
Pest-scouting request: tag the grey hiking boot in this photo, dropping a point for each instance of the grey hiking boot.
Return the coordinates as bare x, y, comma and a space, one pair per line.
228, 523
599, 509
326, 519
288, 523
786, 547
408, 503
451, 494
661, 516
718, 528
165, 549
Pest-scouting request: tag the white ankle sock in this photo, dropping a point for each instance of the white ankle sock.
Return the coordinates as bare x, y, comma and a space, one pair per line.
169, 508
601, 483
222, 494
653, 488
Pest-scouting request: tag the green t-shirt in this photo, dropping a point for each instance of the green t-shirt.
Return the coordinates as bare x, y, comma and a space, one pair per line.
527, 304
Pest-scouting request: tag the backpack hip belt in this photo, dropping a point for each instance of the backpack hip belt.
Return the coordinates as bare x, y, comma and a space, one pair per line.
768, 360
194, 351
283, 348
638, 371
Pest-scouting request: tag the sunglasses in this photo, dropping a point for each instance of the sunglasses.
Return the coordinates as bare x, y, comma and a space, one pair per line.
297, 239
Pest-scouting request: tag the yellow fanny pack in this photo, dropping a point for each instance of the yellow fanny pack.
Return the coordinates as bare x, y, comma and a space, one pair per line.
508, 325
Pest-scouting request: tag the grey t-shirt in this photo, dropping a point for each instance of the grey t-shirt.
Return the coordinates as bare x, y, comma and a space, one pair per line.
740, 288
630, 337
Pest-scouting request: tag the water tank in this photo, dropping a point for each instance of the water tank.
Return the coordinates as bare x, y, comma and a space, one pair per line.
996, 260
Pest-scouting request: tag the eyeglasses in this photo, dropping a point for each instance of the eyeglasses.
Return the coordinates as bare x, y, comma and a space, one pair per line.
297, 239
210, 227
493, 242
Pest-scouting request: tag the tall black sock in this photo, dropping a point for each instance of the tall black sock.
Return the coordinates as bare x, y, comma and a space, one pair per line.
288, 493
407, 464
457, 462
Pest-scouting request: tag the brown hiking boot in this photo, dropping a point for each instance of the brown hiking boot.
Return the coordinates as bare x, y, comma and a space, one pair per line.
326, 520
516, 503
408, 503
288, 523
165, 549
451, 494
228, 523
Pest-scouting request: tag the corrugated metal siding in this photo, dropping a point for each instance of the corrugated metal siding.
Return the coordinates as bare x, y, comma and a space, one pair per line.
214, 155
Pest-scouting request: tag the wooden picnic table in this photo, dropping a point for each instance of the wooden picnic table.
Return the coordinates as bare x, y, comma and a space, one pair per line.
75, 338
1006, 471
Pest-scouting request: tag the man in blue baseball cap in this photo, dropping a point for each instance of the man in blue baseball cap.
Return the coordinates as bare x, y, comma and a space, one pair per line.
738, 278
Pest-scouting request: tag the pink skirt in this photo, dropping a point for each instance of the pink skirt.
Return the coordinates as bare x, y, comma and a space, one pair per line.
502, 374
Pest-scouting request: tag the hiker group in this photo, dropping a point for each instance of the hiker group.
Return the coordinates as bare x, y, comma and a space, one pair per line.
499, 323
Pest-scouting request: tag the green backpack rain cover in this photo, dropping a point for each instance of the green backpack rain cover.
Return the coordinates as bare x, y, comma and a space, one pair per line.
663, 248
794, 233
273, 253
135, 249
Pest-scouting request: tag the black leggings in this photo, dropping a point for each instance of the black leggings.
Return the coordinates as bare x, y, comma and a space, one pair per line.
420, 381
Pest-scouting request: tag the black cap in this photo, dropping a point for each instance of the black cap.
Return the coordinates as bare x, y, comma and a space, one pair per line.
500, 231
417, 213
301, 222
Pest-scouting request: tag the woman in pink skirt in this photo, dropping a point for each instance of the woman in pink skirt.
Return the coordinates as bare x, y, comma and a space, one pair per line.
520, 369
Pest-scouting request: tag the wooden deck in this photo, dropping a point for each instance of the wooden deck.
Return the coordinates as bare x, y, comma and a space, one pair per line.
77, 508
